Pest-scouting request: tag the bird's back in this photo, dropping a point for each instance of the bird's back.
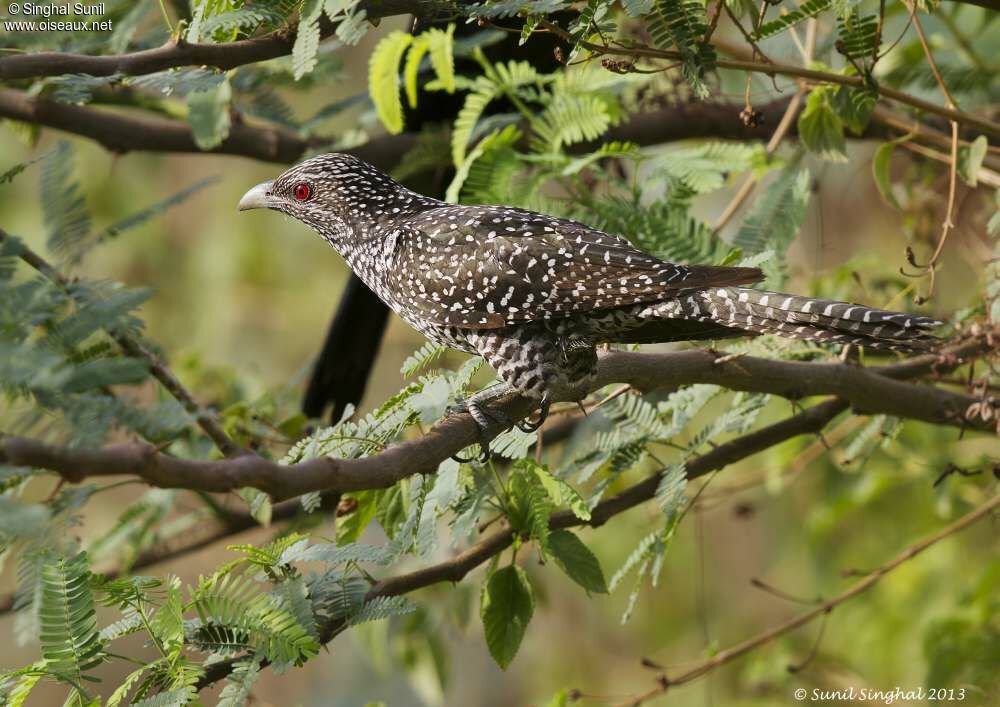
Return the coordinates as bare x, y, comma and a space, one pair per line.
485, 267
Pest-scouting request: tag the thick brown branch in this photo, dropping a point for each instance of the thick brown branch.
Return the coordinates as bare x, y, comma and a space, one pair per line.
869, 390
810, 421
123, 132
226, 55
120, 131
453, 570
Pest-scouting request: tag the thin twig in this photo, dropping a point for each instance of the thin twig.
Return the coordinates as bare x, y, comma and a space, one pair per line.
746, 188
784, 125
133, 347
984, 175
948, 223
813, 75
741, 649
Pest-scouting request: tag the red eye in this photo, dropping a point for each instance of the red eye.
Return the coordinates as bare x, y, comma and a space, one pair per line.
302, 191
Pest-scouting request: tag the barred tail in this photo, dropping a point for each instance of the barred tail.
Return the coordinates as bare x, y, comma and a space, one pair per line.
824, 321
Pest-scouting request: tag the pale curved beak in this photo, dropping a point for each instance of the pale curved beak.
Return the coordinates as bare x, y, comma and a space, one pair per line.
257, 198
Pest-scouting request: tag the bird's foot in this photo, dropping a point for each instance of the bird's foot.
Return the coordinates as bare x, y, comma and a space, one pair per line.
543, 414
485, 417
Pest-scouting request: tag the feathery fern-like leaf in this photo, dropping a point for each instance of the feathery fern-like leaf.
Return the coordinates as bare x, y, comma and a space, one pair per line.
808, 9
240, 682
71, 644
682, 24
383, 79
65, 213
381, 608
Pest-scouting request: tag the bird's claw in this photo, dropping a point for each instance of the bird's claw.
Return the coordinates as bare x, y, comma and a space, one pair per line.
529, 427
482, 458
483, 417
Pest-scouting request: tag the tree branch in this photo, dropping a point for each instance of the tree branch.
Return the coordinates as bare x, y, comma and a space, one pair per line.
177, 53
871, 390
126, 132
780, 69
454, 570
134, 348
122, 132
810, 421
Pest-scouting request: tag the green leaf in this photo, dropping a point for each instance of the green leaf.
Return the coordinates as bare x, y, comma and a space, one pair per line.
144, 215
100, 372
821, 129
381, 608
993, 225
442, 48
126, 27
670, 490
350, 527
167, 624
858, 35
970, 160
498, 139
334, 554
472, 109
169, 698
640, 553
422, 358
16, 685
808, 9
577, 561
70, 641
27, 133
854, 106
637, 8
306, 47
259, 503
881, 162
208, 114
383, 79
530, 508
121, 692
775, 218
64, 209
22, 520
353, 27
561, 698
682, 23
561, 493
11, 174
569, 119
240, 682
506, 608
235, 607
411, 73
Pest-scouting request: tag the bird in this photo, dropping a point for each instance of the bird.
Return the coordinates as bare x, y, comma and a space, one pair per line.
535, 295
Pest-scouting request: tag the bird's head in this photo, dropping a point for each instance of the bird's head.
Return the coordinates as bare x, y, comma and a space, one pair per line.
338, 195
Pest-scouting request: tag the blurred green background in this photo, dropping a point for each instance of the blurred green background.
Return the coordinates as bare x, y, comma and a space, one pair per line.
253, 293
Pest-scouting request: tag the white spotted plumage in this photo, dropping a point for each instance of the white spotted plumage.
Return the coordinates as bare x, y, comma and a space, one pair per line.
534, 294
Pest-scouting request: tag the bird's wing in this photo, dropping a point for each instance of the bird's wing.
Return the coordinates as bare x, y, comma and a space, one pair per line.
483, 267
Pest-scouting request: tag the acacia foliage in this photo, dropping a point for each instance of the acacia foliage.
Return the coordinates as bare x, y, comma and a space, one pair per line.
522, 137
